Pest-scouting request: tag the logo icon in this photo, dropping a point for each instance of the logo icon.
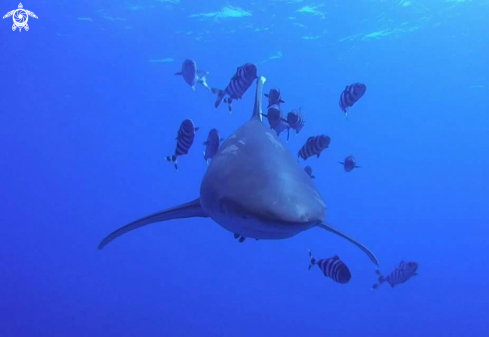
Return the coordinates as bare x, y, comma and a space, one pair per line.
20, 17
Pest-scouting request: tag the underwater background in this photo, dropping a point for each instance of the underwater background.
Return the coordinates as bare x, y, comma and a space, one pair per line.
90, 107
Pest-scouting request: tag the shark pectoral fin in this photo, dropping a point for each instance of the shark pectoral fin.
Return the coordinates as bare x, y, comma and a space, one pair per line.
191, 209
356, 243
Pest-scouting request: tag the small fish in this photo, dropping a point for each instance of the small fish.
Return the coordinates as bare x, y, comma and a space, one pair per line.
185, 139
314, 146
349, 164
211, 145
333, 268
239, 84
308, 170
351, 95
275, 119
401, 274
274, 97
295, 119
190, 74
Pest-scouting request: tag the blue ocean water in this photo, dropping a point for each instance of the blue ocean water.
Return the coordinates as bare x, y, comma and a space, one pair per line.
89, 108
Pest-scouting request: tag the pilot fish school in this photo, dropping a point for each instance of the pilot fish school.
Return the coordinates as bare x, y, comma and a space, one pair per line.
289, 201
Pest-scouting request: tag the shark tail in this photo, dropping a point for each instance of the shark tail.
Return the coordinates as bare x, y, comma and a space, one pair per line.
367, 251
190, 209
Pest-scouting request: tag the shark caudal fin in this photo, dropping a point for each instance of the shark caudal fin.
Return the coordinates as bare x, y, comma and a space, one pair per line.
191, 209
367, 251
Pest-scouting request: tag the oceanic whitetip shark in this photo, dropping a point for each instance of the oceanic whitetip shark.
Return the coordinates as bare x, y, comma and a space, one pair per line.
253, 187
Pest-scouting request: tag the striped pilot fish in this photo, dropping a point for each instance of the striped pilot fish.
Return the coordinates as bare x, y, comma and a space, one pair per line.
239, 84
295, 119
349, 163
308, 170
185, 139
333, 268
401, 274
274, 97
351, 95
211, 145
192, 75
275, 119
314, 146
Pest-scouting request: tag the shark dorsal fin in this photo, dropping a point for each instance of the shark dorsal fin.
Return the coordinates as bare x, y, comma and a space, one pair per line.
258, 97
